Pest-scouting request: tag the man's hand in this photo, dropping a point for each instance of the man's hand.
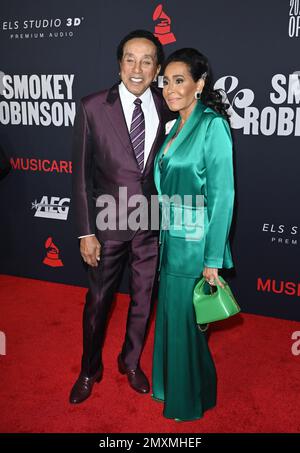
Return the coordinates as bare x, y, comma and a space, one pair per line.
90, 250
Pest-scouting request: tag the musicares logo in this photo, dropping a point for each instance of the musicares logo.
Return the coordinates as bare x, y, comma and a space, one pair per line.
45, 165
281, 287
162, 30
52, 258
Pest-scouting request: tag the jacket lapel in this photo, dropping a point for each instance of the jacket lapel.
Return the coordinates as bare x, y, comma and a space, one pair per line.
190, 124
160, 130
114, 111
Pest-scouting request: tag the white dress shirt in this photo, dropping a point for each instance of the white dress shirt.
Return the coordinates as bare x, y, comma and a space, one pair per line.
150, 114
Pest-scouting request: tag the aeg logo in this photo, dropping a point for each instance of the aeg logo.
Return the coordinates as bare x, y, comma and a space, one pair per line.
55, 209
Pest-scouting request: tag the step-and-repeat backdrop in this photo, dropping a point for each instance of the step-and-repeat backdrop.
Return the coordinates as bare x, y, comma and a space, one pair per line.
53, 53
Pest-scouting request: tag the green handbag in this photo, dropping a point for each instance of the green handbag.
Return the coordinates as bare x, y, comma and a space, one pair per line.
213, 306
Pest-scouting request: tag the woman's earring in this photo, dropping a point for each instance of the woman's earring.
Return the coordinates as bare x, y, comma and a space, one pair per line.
198, 95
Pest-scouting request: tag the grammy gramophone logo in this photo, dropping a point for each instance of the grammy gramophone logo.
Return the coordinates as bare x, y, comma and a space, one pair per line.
52, 254
162, 29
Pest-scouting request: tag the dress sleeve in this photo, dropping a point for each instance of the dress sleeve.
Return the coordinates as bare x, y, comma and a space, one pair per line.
220, 192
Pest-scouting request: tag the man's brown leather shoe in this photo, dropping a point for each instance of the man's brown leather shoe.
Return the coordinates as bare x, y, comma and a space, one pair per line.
83, 387
136, 378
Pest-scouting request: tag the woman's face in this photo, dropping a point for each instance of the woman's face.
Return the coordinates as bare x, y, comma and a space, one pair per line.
179, 87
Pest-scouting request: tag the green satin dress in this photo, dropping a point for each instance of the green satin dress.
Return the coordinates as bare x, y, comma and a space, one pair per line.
198, 161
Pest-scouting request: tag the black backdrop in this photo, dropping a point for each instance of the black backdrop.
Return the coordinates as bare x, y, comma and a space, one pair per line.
69, 47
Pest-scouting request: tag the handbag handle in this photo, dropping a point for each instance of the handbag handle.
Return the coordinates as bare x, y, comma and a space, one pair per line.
225, 288
203, 281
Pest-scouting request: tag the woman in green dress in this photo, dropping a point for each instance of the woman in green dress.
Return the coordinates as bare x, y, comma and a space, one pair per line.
194, 179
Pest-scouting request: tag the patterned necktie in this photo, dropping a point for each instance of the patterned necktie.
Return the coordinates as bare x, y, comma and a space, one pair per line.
137, 133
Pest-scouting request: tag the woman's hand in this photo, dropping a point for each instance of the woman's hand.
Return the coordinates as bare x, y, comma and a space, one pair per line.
211, 276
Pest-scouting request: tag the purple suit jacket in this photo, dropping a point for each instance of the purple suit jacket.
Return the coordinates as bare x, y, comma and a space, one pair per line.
103, 159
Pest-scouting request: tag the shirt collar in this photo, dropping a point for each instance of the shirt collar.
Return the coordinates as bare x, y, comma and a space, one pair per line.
130, 98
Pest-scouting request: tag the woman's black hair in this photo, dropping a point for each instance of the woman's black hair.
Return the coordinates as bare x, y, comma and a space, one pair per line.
146, 35
199, 67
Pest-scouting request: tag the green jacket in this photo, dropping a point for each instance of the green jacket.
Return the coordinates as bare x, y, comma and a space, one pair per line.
198, 162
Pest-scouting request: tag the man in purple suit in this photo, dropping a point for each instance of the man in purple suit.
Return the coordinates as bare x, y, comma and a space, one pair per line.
117, 135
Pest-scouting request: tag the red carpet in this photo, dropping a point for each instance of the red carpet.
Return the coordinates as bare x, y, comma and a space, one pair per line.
258, 376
